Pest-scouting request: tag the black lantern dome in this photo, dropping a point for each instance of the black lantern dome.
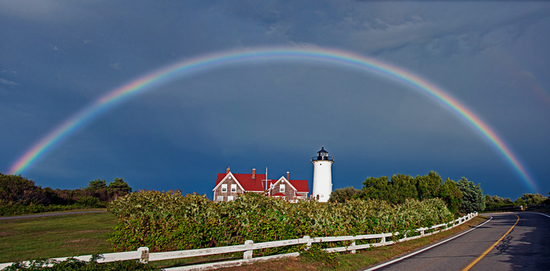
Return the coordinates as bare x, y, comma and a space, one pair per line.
322, 155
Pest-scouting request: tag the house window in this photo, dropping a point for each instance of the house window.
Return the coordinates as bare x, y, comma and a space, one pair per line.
233, 188
220, 198
224, 187
282, 188
229, 198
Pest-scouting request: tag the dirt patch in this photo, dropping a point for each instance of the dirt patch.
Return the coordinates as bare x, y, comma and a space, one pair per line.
4, 234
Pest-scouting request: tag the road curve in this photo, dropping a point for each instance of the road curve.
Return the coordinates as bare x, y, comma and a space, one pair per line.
522, 246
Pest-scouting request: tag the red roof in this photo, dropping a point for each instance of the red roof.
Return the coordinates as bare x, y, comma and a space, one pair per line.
300, 185
246, 181
258, 184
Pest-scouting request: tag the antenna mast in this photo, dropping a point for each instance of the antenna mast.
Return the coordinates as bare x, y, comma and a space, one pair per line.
266, 179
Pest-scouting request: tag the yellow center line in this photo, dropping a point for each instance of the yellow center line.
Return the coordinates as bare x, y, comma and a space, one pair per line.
489, 249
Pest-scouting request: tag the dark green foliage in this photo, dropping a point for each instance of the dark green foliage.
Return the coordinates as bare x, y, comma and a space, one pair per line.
402, 187
18, 190
121, 186
533, 199
344, 194
452, 195
90, 201
17, 209
19, 195
472, 199
378, 188
428, 186
96, 185
169, 221
496, 202
77, 265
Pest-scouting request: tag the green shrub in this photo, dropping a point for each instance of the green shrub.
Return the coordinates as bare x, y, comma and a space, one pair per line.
90, 201
17, 209
74, 265
170, 221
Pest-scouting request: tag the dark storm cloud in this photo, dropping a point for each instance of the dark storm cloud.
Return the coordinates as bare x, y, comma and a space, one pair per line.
69, 53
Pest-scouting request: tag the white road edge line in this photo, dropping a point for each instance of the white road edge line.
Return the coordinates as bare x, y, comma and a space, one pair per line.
539, 214
424, 249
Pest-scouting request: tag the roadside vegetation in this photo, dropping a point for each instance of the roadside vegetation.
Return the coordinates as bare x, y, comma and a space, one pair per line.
170, 221
535, 201
19, 196
400, 187
461, 196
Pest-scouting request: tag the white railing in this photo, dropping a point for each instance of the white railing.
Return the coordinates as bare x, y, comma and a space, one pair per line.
143, 254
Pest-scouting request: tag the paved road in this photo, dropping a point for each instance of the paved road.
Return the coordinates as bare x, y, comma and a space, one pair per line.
48, 214
525, 247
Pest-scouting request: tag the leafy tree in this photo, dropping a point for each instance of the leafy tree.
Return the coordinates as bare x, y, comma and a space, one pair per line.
495, 202
520, 202
96, 184
472, 199
118, 185
404, 187
428, 185
452, 195
18, 190
532, 199
377, 188
344, 194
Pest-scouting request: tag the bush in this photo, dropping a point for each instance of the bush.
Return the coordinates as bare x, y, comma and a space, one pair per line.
170, 221
90, 201
77, 265
16, 209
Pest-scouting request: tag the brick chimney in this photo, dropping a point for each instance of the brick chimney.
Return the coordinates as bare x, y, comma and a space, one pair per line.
253, 174
228, 169
288, 175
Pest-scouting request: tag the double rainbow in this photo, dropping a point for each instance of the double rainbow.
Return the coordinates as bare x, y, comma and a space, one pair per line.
225, 58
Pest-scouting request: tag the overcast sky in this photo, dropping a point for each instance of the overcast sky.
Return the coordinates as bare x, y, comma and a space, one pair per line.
57, 57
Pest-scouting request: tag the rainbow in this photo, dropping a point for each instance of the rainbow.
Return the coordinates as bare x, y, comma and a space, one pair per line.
217, 60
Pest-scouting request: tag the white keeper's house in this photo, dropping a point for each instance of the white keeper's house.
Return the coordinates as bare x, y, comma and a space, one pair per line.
229, 185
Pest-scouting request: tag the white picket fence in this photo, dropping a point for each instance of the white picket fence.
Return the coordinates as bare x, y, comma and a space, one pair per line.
143, 254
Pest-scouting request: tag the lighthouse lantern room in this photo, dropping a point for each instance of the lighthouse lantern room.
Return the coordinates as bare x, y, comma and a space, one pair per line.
322, 175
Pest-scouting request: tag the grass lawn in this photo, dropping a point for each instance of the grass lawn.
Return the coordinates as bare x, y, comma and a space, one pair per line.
55, 236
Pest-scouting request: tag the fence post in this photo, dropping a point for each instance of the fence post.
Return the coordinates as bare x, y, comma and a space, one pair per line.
248, 254
308, 245
144, 257
353, 245
383, 241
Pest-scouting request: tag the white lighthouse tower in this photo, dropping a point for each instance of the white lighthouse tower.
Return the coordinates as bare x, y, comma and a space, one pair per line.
322, 175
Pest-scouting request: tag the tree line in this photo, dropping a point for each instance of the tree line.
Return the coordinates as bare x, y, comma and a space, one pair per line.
528, 199
19, 195
461, 197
